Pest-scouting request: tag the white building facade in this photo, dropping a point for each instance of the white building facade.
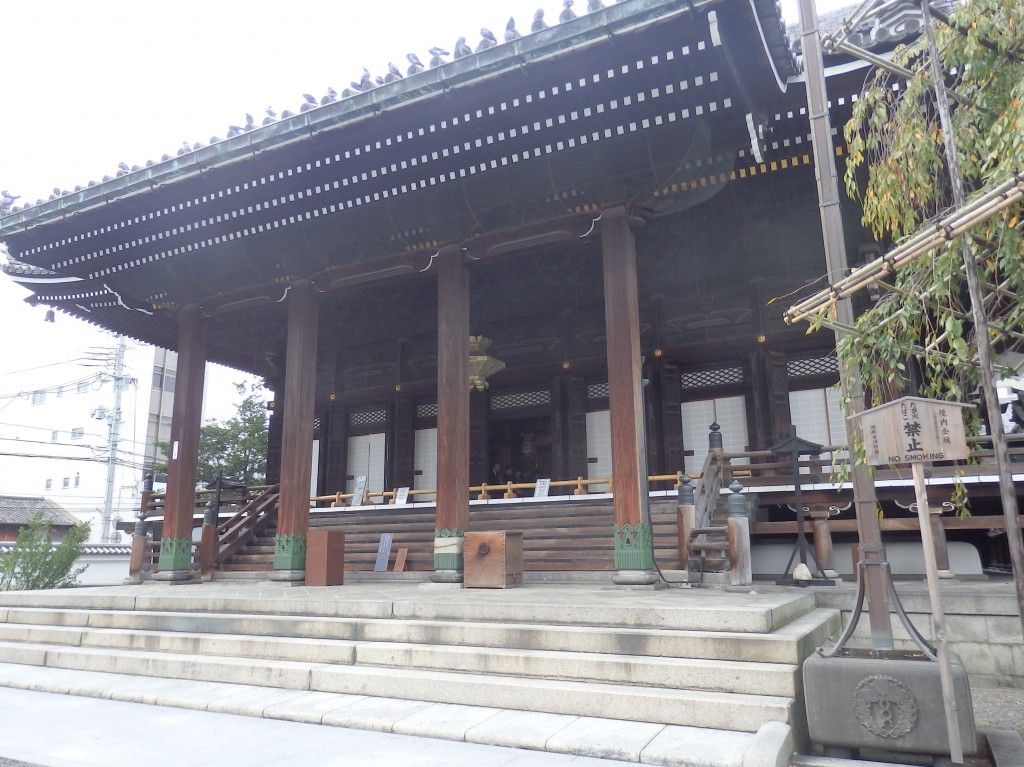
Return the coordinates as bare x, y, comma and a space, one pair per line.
82, 428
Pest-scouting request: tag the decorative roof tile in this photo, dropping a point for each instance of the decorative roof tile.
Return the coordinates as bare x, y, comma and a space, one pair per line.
19, 510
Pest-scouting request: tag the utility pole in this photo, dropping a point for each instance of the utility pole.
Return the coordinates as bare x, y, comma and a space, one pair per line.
113, 437
873, 565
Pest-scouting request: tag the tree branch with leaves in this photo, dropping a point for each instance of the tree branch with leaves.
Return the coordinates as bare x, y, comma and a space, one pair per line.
921, 330
237, 446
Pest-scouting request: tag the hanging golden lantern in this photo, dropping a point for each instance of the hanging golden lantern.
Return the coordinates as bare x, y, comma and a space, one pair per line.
481, 365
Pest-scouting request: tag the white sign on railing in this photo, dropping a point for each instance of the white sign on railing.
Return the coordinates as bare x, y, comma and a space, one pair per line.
402, 496
542, 487
359, 491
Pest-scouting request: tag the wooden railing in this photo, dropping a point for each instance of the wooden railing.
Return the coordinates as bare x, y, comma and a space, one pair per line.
484, 492
255, 507
222, 541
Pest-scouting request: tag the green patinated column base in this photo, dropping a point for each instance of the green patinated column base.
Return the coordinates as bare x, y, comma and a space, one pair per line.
290, 551
634, 547
448, 550
175, 555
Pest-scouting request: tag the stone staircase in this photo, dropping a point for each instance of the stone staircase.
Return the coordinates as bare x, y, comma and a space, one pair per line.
726, 663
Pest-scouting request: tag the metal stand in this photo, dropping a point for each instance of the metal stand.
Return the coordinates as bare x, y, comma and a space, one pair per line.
795, 447
858, 609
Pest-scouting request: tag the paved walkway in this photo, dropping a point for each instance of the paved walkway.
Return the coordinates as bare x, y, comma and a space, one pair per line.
68, 731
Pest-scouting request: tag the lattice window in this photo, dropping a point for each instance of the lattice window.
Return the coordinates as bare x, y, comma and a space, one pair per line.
427, 411
364, 417
520, 399
719, 377
812, 367
598, 391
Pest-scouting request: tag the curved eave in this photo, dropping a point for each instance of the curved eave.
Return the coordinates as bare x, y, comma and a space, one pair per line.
434, 83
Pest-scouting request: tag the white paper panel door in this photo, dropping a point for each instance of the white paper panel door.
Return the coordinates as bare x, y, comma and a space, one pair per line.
599, 448
818, 416
367, 455
728, 412
425, 463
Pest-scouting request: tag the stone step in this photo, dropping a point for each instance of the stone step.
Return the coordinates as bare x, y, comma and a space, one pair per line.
787, 645
260, 565
549, 606
597, 738
677, 673
745, 713
239, 575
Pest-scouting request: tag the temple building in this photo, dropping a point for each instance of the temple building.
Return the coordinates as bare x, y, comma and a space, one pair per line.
564, 257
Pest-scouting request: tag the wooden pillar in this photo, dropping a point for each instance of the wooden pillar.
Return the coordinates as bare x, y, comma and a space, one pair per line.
569, 427
186, 419
452, 415
939, 542
337, 449
297, 434
479, 413
767, 397
822, 537
664, 421
634, 551
274, 440
671, 418
401, 456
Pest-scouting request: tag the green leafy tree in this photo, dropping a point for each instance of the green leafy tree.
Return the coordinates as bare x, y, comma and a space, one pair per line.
35, 563
921, 329
237, 446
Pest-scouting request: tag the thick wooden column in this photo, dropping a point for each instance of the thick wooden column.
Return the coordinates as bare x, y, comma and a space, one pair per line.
671, 418
297, 434
337, 449
569, 427
452, 415
634, 551
767, 397
401, 457
186, 419
479, 412
274, 440
664, 422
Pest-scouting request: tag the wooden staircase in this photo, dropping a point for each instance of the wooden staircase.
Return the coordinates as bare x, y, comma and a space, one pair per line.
256, 556
711, 542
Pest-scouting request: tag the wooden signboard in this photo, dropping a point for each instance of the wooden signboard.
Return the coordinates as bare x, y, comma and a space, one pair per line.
542, 488
358, 492
914, 430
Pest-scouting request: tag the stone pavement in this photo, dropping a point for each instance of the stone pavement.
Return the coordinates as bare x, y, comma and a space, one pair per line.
999, 708
69, 731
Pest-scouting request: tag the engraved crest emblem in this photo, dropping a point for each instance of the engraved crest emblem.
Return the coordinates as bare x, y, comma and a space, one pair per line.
885, 706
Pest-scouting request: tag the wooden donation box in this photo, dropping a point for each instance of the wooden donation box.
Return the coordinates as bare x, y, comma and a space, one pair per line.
325, 557
493, 560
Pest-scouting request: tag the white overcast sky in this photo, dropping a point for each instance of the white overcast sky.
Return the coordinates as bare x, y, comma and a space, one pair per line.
86, 85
